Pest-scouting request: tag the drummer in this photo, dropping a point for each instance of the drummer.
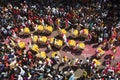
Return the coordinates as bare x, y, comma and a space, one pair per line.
56, 56
111, 41
65, 59
65, 39
114, 49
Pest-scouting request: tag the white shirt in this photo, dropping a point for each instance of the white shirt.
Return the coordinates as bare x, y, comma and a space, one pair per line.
20, 77
65, 39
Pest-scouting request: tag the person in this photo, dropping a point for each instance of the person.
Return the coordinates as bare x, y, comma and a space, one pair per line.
114, 49
87, 60
16, 63
72, 77
85, 74
65, 39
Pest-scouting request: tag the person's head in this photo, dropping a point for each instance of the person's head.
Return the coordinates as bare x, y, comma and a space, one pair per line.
81, 60
87, 58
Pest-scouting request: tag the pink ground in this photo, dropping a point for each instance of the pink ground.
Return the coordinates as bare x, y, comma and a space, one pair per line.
87, 52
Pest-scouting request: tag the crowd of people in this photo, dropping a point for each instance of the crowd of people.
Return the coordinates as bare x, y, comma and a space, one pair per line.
39, 25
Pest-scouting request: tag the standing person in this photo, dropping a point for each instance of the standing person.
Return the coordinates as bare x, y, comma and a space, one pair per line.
58, 22
65, 39
67, 23
105, 33
114, 49
85, 74
112, 42
50, 21
65, 59
42, 22
72, 77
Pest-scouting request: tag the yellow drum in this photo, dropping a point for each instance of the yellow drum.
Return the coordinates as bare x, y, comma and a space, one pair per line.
72, 43
21, 44
43, 39
35, 38
75, 33
80, 46
48, 29
84, 33
52, 40
41, 55
100, 52
98, 63
35, 48
26, 30
62, 31
40, 28
58, 43
55, 53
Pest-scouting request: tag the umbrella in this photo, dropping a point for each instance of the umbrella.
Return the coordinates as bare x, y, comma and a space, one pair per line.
43, 39
26, 30
21, 44
35, 38
84, 32
35, 48
81, 45
96, 62
72, 43
59, 43
49, 28
40, 27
